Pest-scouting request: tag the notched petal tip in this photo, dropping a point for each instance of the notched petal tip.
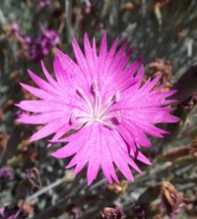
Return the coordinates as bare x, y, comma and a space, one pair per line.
19, 119
141, 157
59, 153
56, 154
18, 105
30, 72
74, 42
22, 84
86, 37
59, 52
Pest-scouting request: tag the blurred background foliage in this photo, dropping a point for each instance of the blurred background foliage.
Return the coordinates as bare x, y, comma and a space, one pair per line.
34, 185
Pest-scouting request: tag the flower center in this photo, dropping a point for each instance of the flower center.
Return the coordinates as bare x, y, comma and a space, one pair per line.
96, 108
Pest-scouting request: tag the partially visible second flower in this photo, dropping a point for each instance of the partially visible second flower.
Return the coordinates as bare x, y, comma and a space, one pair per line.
39, 47
43, 3
11, 213
36, 48
100, 107
6, 173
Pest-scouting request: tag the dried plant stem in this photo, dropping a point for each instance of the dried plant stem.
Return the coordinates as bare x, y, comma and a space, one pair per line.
33, 198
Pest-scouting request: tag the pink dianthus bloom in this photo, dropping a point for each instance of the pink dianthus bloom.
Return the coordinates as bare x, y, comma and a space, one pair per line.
100, 107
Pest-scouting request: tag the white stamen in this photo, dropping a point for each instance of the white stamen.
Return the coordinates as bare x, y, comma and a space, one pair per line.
98, 111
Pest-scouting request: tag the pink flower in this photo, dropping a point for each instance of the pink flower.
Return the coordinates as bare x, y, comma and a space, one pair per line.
99, 106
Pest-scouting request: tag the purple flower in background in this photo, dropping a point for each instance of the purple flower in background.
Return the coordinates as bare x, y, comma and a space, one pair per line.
2, 211
36, 48
6, 173
15, 28
43, 4
39, 47
49, 39
12, 213
88, 6
100, 107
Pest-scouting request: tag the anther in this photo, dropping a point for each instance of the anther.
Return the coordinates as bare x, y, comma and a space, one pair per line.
115, 121
93, 89
79, 93
115, 97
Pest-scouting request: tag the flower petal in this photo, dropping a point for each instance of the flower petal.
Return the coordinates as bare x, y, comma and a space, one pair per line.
47, 130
